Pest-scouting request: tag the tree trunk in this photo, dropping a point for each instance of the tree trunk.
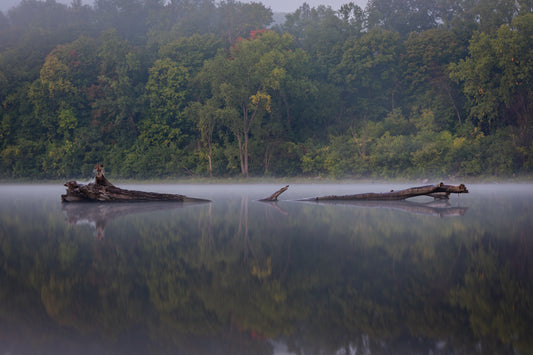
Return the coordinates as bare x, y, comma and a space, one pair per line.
435, 191
210, 159
246, 141
103, 191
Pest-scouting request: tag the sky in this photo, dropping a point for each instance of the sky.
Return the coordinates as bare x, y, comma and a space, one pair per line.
275, 5
292, 5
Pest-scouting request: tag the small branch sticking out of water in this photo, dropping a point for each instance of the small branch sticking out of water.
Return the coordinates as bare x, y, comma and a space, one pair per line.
275, 195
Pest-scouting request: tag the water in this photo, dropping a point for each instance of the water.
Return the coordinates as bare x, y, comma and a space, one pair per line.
238, 276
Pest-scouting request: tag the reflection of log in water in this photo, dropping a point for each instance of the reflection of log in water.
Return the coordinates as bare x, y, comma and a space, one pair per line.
439, 208
275, 206
99, 214
272, 200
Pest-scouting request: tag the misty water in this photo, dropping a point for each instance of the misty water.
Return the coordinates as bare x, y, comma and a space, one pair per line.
239, 276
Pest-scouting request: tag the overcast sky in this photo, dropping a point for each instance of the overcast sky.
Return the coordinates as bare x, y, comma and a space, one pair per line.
292, 5
275, 5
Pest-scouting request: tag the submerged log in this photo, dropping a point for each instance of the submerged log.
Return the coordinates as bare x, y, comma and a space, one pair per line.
439, 191
275, 195
101, 190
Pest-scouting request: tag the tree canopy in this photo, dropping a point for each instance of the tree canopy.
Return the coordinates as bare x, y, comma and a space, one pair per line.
399, 89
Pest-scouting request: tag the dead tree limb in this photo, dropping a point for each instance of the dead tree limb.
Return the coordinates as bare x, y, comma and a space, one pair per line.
100, 179
103, 191
275, 195
437, 191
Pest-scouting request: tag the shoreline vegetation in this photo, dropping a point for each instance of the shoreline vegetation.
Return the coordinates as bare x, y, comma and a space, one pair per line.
293, 180
225, 90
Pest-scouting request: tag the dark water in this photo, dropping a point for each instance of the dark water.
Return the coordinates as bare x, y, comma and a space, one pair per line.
238, 276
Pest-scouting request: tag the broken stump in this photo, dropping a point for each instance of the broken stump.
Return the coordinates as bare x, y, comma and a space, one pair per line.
101, 190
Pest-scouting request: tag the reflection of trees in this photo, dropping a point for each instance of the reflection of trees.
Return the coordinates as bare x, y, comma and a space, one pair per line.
239, 272
497, 291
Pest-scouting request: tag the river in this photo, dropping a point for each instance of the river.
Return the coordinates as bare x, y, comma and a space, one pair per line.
239, 276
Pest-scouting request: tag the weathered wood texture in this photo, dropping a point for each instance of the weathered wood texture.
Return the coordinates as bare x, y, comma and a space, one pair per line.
438, 191
103, 191
100, 179
275, 195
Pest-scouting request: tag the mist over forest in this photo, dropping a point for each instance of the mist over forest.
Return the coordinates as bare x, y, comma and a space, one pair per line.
401, 88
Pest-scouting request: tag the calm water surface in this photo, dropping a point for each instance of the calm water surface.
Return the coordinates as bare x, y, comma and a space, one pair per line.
238, 276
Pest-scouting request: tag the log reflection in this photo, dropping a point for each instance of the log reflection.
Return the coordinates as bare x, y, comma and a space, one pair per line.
98, 215
437, 208
275, 206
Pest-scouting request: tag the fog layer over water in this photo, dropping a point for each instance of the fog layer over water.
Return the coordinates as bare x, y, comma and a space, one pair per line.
239, 276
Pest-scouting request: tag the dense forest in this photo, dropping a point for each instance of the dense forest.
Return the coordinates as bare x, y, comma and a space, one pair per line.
155, 88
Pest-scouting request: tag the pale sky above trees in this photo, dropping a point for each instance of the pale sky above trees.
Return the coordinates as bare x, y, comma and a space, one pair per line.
275, 5
292, 5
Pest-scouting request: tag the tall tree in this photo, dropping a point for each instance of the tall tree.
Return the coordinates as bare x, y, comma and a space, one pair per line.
116, 98
244, 79
237, 19
207, 117
60, 104
369, 73
321, 33
191, 52
491, 14
424, 72
128, 17
403, 16
498, 77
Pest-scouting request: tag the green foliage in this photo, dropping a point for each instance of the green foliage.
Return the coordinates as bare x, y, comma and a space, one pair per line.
166, 91
204, 88
369, 66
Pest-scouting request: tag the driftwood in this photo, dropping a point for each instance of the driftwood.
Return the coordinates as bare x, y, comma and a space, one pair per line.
100, 179
101, 190
275, 195
439, 191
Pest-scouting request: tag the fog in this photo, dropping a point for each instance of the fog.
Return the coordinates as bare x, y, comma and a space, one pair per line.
275, 5
246, 277
256, 191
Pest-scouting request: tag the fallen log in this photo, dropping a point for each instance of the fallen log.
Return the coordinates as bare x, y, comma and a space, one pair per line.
439, 191
101, 190
275, 195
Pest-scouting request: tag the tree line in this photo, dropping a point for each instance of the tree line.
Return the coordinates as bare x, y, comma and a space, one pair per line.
202, 88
